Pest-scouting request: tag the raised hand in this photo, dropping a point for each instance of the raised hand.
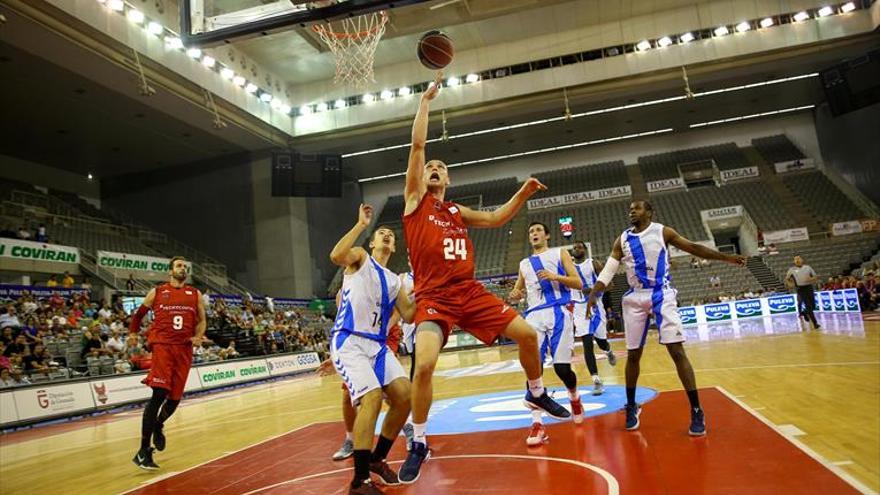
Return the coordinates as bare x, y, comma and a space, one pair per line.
737, 259
533, 185
365, 215
325, 368
434, 89
515, 295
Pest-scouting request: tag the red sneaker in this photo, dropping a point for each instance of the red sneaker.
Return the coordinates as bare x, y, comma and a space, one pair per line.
577, 411
537, 435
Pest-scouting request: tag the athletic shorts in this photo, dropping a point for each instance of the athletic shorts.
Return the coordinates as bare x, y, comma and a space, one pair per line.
363, 364
638, 307
170, 368
595, 326
555, 331
409, 337
470, 306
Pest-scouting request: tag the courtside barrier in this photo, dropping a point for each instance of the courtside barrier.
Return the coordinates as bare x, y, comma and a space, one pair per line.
836, 301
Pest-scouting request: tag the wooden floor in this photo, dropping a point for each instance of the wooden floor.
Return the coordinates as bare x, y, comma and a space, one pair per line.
825, 385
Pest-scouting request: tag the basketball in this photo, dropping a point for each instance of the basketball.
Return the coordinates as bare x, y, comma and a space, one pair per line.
435, 50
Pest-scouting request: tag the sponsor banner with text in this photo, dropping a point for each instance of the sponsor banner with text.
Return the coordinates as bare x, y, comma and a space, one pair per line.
794, 165
580, 197
119, 389
134, 262
53, 400
226, 373
739, 174
724, 212
8, 291
788, 235
665, 184
37, 251
839, 301
8, 414
846, 228
291, 363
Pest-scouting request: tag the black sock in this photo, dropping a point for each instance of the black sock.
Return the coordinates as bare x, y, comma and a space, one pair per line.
630, 395
361, 467
167, 410
694, 398
589, 357
564, 372
603, 344
383, 446
151, 411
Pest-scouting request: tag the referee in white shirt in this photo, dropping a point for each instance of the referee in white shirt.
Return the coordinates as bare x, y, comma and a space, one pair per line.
802, 277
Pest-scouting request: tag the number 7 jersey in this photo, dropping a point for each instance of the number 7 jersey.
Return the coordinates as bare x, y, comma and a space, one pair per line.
440, 251
175, 314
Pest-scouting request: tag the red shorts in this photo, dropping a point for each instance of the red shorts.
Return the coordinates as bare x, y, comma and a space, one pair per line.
469, 305
170, 369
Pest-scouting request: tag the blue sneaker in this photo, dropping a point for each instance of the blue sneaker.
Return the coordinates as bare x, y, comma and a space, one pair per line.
412, 466
698, 423
546, 404
632, 416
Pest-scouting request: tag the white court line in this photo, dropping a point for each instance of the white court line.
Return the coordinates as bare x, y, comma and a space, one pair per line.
843, 463
858, 485
159, 478
610, 480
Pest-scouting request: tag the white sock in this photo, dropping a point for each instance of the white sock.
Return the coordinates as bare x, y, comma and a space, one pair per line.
536, 386
596, 379
419, 433
573, 395
536, 417
348, 436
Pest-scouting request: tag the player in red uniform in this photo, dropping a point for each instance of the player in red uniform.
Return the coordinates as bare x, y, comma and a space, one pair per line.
442, 257
179, 323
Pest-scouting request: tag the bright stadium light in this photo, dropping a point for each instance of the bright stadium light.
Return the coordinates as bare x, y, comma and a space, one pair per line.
743, 27
721, 31
801, 16
847, 7
305, 110
155, 28
404, 91
686, 38
664, 42
208, 61
321, 107
173, 43
643, 45
239, 81
266, 97
227, 73
276, 104
285, 109
339, 104
117, 5
369, 98
453, 81
135, 16
90, 176
194, 53
471, 78
251, 88
766, 22
386, 94
825, 11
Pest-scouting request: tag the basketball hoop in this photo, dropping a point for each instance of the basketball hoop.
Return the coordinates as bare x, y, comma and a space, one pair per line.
353, 42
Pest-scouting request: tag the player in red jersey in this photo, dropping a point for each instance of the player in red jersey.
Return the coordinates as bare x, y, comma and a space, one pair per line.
179, 323
442, 258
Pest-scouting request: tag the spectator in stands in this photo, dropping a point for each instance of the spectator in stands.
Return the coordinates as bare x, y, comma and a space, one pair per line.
51, 282
68, 281
4, 360
105, 311
9, 318
762, 250
37, 361
772, 249
130, 284
91, 345
230, 352
695, 263
18, 347
7, 336
41, 235
86, 284
6, 380
715, 282
8, 233
28, 304
56, 301
24, 234
114, 343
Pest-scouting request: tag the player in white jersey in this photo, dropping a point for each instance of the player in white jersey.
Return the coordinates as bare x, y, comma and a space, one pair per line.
594, 328
370, 293
408, 342
547, 278
643, 248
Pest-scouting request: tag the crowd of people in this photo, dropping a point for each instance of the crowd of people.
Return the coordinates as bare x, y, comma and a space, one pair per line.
38, 235
864, 281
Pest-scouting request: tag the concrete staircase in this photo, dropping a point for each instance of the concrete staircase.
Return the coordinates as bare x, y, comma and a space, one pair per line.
636, 181
793, 208
516, 247
763, 274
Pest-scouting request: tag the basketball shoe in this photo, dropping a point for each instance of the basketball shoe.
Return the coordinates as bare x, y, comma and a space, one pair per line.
537, 435
698, 423
412, 466
144, 460
612, 359
344, 452
598, 388
546, 404
387, 476
366, 488
632, 416
159, 437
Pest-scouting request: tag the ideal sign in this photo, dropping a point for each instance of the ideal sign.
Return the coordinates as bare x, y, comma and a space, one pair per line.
580, 197
665, 184
739, 174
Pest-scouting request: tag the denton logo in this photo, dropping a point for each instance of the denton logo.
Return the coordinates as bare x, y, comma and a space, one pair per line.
782, 304
717, 312
748, 308
688, 315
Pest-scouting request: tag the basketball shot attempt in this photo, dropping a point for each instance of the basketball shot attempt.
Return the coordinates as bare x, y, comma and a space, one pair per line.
442, 257
179, 323
548, 276
359, 350
643, 249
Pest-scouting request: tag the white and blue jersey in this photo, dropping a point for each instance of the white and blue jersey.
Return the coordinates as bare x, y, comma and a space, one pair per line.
646, 259
547, 304
358, 336
596, 325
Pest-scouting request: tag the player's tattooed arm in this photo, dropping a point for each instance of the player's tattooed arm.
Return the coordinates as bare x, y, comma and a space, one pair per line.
688, 246
345, 253
415, 187
507, 211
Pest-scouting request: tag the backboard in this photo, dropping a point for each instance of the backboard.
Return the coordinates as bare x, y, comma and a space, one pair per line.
213, 22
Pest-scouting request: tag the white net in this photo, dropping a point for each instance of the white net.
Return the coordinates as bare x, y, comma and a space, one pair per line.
353, 42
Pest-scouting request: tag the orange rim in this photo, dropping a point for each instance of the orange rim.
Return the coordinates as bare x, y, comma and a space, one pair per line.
360, 34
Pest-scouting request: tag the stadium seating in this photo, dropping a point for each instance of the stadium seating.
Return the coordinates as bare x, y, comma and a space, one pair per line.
777, 148
665, 165
828, 257
582, 178
598, 223
824, 201
693, 283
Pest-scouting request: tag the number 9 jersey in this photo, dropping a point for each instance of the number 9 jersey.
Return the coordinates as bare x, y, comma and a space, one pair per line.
175, 314
440, 251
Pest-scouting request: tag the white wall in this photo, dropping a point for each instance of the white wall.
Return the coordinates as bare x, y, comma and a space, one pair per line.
799, 128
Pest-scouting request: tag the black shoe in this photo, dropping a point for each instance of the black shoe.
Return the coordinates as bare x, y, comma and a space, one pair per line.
546, 404
159, 437
144, 460
412, 466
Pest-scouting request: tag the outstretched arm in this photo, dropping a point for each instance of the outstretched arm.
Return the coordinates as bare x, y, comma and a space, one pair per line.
345, 253
415, 188
677, 240
506, 212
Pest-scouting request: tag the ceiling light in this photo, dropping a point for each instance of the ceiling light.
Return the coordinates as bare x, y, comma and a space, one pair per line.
453, 81
102, 2
239, 80
743, 27
643, 45
847, 7
90, 177
117, 5
664, 42
471, 78
208, 61
386, 94
265, 97
227, 73
825, 11
339, 104
766, 22
801, 16
285, 109
321, 107
686, 38
251, 88
369, 98
276, 104
305, 110
173, 43
721, 31
135, 16
194, 53
155, 28
404, 91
